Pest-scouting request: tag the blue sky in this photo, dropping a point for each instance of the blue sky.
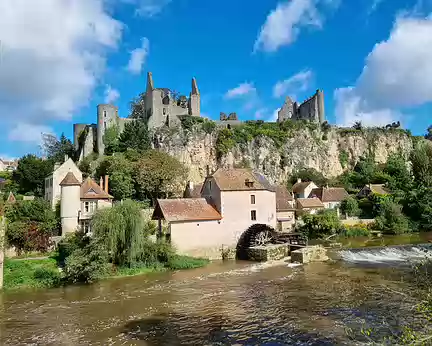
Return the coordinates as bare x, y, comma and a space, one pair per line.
372, 58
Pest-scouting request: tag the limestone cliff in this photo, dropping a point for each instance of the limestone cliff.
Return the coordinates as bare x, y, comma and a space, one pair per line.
330, 152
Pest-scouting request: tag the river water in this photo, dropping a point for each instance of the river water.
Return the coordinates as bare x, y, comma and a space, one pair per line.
223, 304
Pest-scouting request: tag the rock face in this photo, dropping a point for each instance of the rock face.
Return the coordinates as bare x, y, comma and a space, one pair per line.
330, 153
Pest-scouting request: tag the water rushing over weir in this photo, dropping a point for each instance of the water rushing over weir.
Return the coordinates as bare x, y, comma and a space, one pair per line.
223, 304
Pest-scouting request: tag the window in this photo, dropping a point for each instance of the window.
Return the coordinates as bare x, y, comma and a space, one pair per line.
252, 199
104, 125
104, 114
85, 226
90, 207
210, 185
253, 215
164, 111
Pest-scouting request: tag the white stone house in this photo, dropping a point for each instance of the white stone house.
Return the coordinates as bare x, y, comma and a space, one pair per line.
52, 182
231, 201
79, 202
330, 196
302, 189
285, 209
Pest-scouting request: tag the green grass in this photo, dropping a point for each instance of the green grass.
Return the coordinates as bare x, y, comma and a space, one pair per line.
186, 262
31, 274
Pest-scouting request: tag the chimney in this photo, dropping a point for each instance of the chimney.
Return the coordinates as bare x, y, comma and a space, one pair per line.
106, 183
191, 185
66, 157
208, 170
299, 180
101, 183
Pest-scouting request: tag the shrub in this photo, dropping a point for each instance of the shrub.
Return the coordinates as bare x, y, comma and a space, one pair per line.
69, 244
324, 223
358, 230
350, 207
390, 219
47, 277
26, 236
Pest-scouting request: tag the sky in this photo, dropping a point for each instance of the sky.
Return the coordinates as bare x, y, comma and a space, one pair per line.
60, 58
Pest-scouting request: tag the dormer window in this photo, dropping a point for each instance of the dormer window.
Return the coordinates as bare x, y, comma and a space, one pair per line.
249, 183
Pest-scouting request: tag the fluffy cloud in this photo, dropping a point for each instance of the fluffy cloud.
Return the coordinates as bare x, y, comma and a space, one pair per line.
50, 64
111, 95
285, 22
298, 82
397, 74
147, 8
28, 133
138, 57
244, 89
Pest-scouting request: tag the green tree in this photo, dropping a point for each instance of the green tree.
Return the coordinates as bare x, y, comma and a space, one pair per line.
308, 174
350, 206
135, 136
137, 108
390, 219
400, 176
324, 223
121, 171
31, 173
418, 207
421, 159
111, 139
428, 135
56, 148
160, 175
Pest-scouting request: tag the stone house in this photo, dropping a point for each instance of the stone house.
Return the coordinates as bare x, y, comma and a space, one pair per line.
285, 209
369, 189
302, 189
8, 165
52, 182
231, 201
79, 201
331, 197
308, 205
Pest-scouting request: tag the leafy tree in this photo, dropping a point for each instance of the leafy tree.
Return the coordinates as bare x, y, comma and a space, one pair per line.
324, 223
30, 174
308, 174
421, 159
358, 125
111, 140
390, 218
397, 170
160, 175
121, 171
418, 207
55, 149
428, 135
350, 206
135, 136
137, 108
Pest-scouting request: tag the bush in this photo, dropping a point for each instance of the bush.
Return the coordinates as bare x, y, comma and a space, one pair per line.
48, 277
69, 244
390, 219
350, 207
324, 223
358, 230
26, 236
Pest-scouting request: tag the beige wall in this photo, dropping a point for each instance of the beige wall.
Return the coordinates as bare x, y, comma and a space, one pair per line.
331, 205
70, 205
286, 220
211, 190
52, 193
98, 204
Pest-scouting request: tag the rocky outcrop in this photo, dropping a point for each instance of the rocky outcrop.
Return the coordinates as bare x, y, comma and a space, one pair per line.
330, 152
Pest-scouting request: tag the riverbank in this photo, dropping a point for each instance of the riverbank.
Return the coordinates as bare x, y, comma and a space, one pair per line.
29, 274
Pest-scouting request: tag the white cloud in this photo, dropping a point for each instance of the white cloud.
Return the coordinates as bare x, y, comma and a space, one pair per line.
138, 57
53, 52
298, 82
23, 132
242, 90
284, 23
397, 74
147, 8
111, 95
274, 115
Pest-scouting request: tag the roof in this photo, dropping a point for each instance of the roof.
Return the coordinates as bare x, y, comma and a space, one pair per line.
378, 188
235, 180
185, 209
329, 194
283, 198
300, 186
195, 192
70, 180
91, 190
310, 202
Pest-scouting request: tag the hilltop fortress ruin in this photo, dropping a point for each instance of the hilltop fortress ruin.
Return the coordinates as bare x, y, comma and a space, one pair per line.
163, 108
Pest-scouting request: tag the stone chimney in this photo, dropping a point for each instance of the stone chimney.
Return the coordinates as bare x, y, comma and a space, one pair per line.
101, 183
57, 165
208, 170
191, 185
66, 157
299, 180
106, 183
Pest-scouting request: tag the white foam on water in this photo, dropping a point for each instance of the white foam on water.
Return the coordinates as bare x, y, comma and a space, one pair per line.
293, 265
385, 255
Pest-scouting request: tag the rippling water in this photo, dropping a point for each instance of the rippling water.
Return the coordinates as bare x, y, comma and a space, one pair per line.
223, 304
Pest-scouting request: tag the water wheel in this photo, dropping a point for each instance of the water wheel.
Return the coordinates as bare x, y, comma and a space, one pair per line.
256, 235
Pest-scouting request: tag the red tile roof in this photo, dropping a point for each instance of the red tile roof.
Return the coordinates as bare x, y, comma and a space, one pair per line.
283, 198
195, 192
309, 203
91, 190
235, 180
70, 180
300, 186
329, 194
185, 209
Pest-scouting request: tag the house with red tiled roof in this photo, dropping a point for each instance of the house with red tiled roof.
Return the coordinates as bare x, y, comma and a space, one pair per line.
370, 189
308, 205
302, 189
285, 209
331, 197
230, 201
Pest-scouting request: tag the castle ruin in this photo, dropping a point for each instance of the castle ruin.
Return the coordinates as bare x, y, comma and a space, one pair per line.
165, 108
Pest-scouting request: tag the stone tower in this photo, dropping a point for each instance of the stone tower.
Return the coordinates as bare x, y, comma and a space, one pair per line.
107, 116
194, 100
70, 203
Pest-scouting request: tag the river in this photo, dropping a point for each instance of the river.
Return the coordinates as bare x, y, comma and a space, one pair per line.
232, 303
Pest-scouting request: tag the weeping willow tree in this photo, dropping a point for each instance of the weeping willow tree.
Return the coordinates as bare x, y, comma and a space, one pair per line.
124, 232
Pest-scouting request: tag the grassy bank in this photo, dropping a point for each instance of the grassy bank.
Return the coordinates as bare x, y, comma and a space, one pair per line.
35, 274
